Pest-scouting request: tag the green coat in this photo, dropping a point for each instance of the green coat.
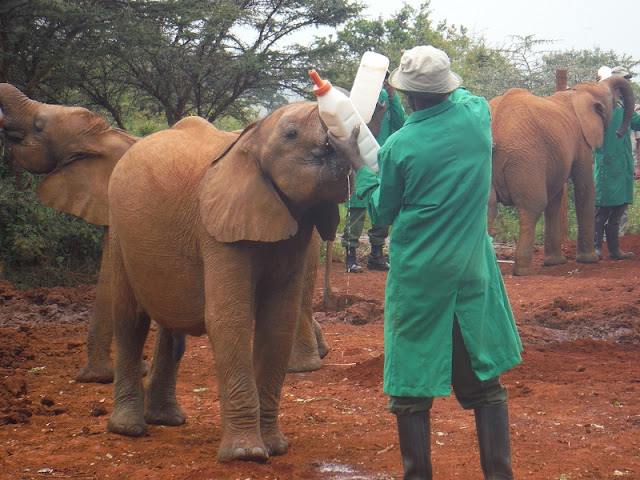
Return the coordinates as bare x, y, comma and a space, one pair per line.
614, 164
433, 189
393, 120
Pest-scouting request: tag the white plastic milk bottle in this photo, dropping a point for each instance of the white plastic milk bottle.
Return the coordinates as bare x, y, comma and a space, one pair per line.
368, 83
340, 116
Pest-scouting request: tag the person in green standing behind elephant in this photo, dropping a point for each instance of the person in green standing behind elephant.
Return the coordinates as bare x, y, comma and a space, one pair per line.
613, 176
447, 318
392, 120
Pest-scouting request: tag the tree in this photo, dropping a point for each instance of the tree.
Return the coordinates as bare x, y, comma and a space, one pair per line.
205, 57
212, 58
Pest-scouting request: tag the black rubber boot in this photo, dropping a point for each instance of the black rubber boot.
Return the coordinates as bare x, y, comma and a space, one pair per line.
613, 244
352, 262
492, 425
598, 235
415, 445
376, 259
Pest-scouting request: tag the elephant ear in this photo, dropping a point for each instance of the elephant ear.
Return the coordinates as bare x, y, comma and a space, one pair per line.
326, 217
79, 188
591, 115
237, 202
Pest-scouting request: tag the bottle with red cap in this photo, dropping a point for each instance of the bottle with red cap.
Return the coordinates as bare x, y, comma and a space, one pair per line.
340, 116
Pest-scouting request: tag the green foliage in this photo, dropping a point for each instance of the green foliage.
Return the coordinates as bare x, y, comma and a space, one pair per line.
198, 57
41, 247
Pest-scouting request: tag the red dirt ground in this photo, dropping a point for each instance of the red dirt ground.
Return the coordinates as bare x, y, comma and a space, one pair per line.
574, 400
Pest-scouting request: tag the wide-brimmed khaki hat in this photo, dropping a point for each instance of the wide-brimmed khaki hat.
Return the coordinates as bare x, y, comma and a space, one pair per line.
620, 72
424, 69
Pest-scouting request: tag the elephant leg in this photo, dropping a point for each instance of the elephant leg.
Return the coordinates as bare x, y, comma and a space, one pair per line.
275, 325
492, 209
584, 193
523, 258
98, 367
323, 347
130, 328
306, 353
553, 232
305, 356
229, 322
160, 402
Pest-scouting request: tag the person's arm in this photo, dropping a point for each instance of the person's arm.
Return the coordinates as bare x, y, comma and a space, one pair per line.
635, 121
397, 114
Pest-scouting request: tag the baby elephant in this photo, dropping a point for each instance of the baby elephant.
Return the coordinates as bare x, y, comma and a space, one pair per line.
210, 233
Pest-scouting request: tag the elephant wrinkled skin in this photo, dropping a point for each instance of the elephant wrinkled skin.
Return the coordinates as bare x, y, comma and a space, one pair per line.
77, 150
210, 232
539, 143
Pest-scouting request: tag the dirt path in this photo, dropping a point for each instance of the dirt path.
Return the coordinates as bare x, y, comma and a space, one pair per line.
575, 399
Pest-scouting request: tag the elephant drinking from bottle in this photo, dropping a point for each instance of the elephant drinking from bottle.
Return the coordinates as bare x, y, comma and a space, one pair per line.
539, 143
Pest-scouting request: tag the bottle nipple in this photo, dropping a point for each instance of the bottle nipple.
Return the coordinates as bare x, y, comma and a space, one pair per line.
321, 86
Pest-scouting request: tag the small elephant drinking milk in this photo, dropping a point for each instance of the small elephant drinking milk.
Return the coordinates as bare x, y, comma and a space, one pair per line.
210, 233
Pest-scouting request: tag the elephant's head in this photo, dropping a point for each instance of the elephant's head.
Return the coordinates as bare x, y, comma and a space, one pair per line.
75, 147
283, 166
594, 104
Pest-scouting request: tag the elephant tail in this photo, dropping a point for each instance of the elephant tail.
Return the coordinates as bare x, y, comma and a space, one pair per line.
498, 182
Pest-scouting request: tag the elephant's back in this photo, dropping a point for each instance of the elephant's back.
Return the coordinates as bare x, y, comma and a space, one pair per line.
166, 167
525, 127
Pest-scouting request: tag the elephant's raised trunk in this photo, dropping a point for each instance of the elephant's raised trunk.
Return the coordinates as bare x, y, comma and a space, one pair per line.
14, 106
624, 86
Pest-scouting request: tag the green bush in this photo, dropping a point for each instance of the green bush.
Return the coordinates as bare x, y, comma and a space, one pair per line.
40, 247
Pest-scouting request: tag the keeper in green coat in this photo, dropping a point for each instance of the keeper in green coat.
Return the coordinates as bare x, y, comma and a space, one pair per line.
448, 321
613, 175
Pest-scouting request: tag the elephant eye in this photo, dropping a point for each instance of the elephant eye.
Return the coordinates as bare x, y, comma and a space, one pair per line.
291, 134
38, 125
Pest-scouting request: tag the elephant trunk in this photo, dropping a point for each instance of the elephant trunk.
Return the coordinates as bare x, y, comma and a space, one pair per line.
622, 84
14, 106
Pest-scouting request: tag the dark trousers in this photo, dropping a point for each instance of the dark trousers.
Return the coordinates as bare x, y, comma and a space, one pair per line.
610, 215
469, 390
353, 226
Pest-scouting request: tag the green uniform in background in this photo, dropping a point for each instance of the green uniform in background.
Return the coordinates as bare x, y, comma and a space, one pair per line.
614, 164
393, 120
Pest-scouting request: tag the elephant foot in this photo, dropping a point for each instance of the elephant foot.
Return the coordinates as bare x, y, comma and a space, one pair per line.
169, 414
242, 448
276, 443
123, 422
323, 347
523, 271
591, 257
309, 363
102, 372
94, 372
551, 260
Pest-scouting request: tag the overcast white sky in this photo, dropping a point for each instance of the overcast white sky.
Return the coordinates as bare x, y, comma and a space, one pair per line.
613, 25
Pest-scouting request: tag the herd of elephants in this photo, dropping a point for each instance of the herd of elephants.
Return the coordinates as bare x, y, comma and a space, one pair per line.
218, 232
